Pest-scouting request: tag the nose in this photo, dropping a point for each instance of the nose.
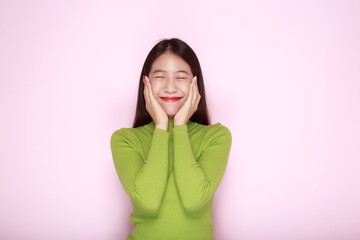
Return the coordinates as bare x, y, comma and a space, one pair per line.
170, 86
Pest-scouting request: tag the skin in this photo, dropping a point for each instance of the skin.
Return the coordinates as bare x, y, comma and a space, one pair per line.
170, 83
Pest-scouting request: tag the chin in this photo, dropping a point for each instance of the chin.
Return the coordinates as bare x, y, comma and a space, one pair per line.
171, 112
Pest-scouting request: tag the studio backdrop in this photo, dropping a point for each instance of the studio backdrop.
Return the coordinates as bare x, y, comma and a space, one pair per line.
283, 76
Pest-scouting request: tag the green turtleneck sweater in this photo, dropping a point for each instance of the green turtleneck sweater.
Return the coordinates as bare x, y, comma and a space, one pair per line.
171, 177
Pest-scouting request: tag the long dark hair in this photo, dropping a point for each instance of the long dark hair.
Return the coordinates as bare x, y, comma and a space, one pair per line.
183, 50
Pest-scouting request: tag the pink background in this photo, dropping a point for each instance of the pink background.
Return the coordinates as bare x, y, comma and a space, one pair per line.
283, 76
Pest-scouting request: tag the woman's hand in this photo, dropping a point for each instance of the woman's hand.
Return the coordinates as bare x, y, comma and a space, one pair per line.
153, 107
190, 106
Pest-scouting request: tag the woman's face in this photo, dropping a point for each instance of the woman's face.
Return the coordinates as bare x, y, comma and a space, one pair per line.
170, 76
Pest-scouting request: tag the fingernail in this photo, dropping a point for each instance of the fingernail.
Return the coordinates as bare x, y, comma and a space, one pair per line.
195, 78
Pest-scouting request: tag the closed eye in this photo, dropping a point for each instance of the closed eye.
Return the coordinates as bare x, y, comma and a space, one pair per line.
177, 78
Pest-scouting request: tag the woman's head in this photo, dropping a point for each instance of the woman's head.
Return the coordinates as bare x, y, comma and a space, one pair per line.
171, 65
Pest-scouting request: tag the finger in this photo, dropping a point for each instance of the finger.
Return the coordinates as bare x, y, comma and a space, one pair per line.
190, 91
151, 95
197, 93
146, 88
194, 91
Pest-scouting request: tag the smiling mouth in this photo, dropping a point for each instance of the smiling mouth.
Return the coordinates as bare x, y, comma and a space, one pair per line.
172, 99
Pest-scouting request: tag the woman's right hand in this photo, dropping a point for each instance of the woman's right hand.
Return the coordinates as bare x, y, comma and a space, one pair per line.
153, 107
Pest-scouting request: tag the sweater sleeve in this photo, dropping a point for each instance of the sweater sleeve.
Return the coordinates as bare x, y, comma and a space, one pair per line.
144, 180
197, 181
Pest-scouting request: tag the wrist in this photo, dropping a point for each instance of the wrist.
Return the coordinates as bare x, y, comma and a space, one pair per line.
179, 123
163, 126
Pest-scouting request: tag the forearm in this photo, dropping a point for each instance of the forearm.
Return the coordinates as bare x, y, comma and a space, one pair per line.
149, 185
193, 185
144, 180
198, 179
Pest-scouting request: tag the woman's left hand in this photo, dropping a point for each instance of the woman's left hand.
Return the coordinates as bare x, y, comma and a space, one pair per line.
190, 106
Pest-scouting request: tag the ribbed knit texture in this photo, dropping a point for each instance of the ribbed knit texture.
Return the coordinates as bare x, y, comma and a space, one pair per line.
171, 177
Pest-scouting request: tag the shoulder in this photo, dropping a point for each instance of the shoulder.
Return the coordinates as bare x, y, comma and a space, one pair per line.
133, 134
122, 133
213, 132
219, 131
125, 134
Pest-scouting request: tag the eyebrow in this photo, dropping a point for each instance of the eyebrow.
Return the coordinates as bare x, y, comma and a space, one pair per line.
159, 70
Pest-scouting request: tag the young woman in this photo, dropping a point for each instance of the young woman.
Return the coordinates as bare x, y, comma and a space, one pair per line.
171, 161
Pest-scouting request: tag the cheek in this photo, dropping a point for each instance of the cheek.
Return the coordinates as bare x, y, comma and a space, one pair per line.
155, 86
155, 91
186, 89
